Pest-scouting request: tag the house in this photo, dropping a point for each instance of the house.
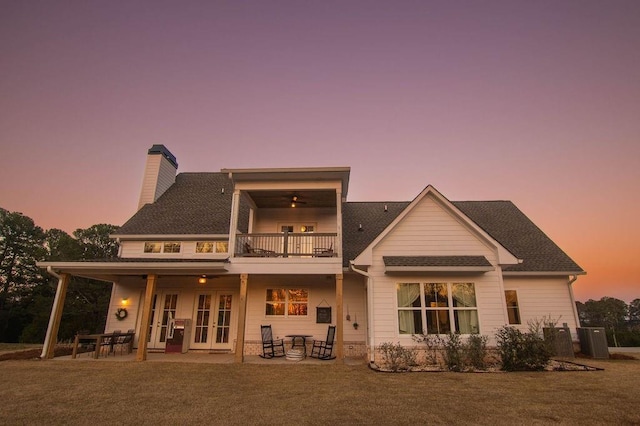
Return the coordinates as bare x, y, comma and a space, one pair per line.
239, 248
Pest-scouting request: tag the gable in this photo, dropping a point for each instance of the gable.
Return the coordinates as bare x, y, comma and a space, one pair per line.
431, 225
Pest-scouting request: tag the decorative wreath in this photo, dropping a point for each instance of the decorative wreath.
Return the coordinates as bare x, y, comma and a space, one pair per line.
121, 313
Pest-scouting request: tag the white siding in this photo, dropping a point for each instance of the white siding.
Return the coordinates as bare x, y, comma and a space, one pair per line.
540, 298
322, 290
159, 175
268, 220
429, 229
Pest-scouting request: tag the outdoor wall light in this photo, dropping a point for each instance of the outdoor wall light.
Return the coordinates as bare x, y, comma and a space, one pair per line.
202, 279
125, 301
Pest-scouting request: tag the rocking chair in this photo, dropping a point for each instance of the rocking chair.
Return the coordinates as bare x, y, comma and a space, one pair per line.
324, 349
271, 348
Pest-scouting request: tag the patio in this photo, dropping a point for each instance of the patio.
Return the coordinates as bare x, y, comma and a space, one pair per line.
204, 357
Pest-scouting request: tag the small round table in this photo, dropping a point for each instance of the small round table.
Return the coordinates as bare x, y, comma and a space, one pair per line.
299, 340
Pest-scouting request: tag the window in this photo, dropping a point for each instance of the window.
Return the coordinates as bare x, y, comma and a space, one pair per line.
159, 247
287, 302
152, 247
437, 308
212, 247
513, 311
172, 247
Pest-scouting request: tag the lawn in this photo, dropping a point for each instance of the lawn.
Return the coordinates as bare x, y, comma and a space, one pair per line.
68, 392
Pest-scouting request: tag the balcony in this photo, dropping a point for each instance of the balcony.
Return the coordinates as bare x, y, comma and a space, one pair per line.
286, 244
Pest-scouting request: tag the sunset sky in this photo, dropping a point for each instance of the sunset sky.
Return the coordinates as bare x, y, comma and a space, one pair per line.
537, 102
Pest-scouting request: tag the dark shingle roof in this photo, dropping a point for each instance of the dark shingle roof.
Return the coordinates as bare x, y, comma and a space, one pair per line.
502, 220
373, 218
518, 234
435, 261
194, 204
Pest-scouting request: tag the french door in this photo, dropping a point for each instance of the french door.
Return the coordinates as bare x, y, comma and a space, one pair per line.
163, 312
212, 326
299, 244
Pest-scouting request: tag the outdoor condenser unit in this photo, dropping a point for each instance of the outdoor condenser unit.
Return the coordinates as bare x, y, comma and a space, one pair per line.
593, 342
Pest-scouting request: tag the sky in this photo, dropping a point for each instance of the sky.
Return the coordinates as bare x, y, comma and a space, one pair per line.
537, 102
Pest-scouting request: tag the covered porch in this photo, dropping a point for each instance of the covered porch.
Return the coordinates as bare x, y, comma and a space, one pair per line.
152, 293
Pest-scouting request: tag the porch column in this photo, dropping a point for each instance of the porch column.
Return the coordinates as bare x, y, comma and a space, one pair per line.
340, 320
242, 316
145, 323
51, 338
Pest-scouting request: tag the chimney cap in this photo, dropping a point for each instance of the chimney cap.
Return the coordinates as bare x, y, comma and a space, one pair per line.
162, 150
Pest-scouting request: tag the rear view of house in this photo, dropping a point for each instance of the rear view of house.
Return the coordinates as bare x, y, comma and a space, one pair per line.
230, 251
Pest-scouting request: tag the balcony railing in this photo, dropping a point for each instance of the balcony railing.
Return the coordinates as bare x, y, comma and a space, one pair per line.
286, 244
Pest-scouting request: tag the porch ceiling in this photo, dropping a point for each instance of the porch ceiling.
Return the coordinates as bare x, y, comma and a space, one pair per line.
109, 271
283, 199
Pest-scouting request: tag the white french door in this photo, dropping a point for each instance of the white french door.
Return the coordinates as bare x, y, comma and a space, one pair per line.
163, 310
299, 244
212, 326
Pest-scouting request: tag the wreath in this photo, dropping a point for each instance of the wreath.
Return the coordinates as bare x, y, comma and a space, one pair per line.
121, 313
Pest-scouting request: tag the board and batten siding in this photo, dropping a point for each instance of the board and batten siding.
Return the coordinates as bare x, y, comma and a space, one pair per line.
431, 230
543, 298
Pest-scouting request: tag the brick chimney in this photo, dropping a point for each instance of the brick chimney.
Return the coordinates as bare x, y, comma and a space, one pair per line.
159, 174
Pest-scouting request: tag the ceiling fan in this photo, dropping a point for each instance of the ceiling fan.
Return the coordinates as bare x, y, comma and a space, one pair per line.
295, 200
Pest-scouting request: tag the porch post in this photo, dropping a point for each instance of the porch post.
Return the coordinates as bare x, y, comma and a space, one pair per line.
51, 337
141, 354
242, 316
340, 320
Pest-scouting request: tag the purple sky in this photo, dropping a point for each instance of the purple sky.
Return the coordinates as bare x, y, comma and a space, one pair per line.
536, 102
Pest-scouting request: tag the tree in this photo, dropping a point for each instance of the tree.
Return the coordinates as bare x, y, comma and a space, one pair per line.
607, 312
95, 243
21, 246
634, 310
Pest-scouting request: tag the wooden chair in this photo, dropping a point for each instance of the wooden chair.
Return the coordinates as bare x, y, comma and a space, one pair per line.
270, 348
323, 251
323, 349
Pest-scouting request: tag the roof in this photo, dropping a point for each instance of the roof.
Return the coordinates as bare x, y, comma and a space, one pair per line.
197, 203
502, 220
514, 230
435, 261
200, 203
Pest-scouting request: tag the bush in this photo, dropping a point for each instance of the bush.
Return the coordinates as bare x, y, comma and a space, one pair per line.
453, 354
522, 351
396, 357
476, 351
433, 343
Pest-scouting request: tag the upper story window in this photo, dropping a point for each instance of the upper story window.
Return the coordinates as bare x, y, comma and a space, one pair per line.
160, 247
437, 308
212, 247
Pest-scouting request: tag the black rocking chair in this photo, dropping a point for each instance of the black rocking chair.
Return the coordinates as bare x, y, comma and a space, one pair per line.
324, 349
271, 348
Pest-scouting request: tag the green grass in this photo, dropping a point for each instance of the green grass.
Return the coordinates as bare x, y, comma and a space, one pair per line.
68, 392
12, 347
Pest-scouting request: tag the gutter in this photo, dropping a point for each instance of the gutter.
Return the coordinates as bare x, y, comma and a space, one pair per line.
369, 309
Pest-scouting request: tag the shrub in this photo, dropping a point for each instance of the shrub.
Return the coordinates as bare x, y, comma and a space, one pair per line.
433, 343
476, 351
396, 357
453, 354
521, 351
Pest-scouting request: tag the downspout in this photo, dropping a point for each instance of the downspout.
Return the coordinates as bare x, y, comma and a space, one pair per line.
56, 300
369, 309
572, 279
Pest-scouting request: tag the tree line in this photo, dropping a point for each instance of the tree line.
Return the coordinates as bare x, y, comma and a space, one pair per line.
27, 292
620, 320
